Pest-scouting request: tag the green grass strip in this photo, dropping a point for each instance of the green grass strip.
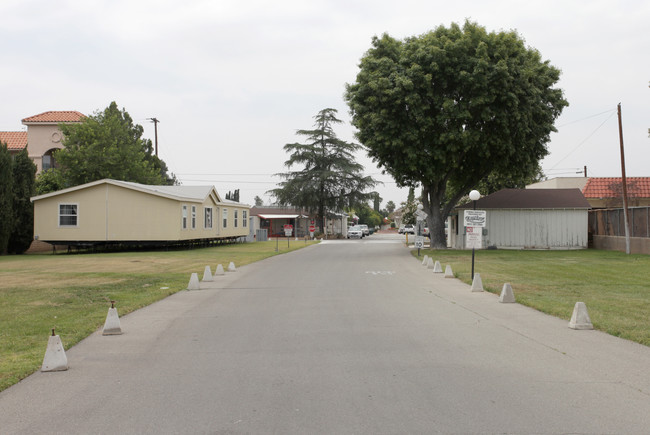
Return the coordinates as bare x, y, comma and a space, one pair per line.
614, 286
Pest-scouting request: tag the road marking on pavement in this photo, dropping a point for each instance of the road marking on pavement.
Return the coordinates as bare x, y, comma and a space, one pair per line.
380, 272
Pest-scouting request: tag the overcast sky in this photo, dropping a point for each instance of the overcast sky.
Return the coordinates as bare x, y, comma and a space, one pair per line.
232, 81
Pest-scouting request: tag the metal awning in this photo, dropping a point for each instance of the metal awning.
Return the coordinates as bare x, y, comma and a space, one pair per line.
278, 216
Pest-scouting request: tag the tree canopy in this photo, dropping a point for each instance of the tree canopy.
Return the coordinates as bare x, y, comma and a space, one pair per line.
330, 179
446, 109
108, 145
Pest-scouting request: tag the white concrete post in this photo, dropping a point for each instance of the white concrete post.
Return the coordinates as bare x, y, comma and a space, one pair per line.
580, 317
55, 359
207, 274
507, 296
194, 282
477, 283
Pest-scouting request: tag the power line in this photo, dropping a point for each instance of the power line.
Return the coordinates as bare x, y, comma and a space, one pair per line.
585, 140
585, 118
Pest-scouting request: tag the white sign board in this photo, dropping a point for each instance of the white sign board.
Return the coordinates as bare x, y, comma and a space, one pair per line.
473, 237
288, 232
475, 218
420, 215
419, 242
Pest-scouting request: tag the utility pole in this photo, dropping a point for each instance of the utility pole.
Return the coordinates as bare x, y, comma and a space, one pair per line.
155, 128
627, 224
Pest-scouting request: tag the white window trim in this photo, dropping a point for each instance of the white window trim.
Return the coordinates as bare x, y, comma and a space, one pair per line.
224, 217
236, 218
58, 213
193, 217
184, 216
244, 218
205, 215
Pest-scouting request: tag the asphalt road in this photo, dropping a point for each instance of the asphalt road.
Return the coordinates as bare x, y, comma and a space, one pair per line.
347, 337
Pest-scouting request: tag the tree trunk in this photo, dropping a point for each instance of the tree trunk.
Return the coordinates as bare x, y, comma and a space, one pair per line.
436, 218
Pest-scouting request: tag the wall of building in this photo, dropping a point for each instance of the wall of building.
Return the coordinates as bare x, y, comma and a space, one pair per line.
532, 229
41, 139
112, 213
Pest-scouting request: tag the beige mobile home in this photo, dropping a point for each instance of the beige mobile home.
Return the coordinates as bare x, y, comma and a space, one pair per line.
111, 212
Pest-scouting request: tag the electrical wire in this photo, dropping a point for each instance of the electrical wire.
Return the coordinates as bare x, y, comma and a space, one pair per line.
585, 140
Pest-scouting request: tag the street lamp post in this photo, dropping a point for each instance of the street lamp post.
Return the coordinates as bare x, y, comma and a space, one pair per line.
474, 195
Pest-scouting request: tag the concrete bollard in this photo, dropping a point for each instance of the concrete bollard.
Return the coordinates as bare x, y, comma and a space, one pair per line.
448, 272
231, 267
580, 317
477, 283
426, 260
429, 263
507, 296
194, 282
207, 274
437, 268
112, 323
55, 359
219, 270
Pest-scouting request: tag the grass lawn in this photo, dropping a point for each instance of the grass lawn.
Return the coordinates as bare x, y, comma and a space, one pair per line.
72, 292
614, 286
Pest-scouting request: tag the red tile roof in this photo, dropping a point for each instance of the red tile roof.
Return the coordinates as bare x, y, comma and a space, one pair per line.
55, 117
611, 187
15, 140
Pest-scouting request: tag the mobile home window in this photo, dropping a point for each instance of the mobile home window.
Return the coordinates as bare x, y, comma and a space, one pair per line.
236, 218
244, 218
68, 215
184, 217
225, 217
208, 217
193, 217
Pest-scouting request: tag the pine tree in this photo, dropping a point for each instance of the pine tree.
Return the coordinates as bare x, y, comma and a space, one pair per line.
6, 197
24, 174
330, 178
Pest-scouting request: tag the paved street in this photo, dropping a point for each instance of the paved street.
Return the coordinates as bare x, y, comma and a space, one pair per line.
347, 337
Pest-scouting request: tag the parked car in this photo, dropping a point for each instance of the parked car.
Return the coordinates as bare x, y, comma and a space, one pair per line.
355, 232
365, 229
410, 229
401, 229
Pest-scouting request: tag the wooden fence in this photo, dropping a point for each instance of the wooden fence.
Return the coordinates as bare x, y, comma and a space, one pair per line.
611, 222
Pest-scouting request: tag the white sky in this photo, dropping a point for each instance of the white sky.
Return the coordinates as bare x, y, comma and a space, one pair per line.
231, 81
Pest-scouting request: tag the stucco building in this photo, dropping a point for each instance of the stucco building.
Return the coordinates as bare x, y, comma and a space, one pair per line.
42, 137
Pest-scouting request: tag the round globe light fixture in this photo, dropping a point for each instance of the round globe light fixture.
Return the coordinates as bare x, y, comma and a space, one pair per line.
474, 195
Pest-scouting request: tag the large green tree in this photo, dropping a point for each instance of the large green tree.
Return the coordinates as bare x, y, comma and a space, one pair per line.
446, 109
24, 173
6, 197
329, 178
108, 145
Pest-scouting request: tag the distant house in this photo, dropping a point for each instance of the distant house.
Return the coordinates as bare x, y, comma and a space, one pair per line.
528, 219
603, 192
273, 219
111, 212
608, 192
560, 183
42, 137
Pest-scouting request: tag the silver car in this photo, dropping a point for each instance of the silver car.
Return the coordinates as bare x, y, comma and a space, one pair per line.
355, 232
365, 229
